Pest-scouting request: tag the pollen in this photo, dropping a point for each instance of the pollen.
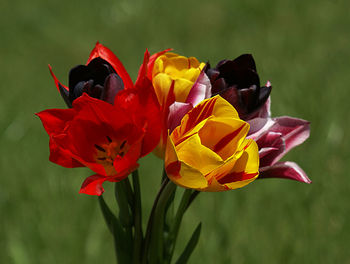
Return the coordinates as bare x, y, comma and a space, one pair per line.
109, 151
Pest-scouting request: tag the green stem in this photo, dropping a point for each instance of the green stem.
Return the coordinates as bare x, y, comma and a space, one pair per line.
125, 216
116, 230
137, 213
185, 201
146, 244
157, 243
128, 191
193, 196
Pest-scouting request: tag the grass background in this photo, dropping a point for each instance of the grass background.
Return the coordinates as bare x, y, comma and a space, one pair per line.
302, 47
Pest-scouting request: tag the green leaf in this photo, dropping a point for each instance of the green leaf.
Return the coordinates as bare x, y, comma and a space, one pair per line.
137, 214
192, 243
107, 214
122, 200
156, 243
174, 229
114, 226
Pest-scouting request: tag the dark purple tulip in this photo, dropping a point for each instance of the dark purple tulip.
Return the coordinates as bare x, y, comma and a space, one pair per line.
98, 79
238, 82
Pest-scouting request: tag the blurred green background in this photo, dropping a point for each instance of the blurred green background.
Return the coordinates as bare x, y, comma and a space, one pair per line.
302, 47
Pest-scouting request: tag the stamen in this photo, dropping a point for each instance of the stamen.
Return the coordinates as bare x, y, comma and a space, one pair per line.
100, 148
121, 153
109, 139
122, 145
101, 158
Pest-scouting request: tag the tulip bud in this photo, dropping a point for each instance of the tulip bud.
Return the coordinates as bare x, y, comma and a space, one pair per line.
238, 82
98, 79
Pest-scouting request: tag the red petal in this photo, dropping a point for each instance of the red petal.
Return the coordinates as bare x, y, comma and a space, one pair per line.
93, 185
57, 82
106, 54
62, 157
128, 163
236, 176
142, 103
146, 68
54, 120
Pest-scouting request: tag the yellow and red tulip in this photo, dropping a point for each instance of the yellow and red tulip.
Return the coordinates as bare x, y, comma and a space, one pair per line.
209, 150
180, 84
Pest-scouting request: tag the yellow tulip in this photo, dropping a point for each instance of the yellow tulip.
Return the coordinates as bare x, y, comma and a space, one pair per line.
171, 68
209, 150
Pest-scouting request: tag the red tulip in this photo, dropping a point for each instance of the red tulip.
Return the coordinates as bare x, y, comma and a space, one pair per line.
107, 133
89, 134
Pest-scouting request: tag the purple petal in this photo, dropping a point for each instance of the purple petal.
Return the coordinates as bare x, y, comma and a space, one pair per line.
113, 84
266, 151
256, 127
264, 111
294, 130
267, 141
200, 90
176, 112
285, 170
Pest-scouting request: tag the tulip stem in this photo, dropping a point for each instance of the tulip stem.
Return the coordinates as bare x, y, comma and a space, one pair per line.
150, 223
116, 229
137, 213
125, 215
193, 196
157, 243
184, 204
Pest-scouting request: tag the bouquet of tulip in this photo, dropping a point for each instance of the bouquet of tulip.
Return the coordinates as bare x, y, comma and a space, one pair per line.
211, 126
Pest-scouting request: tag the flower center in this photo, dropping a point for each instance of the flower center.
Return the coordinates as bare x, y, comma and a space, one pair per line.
110, 151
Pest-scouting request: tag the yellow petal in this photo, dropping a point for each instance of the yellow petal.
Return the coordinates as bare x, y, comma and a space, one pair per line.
196, 155
223, 135
181, 173
215, 106
182, 88
184, 71
249, 161
162, 83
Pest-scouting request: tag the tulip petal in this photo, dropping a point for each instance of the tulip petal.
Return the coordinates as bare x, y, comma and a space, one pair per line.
270, 140
236, 173
162, 83
93, 185
256, 126
106, 54
147, 65
64, 90
128, 163
205, 159
176, 112
285, 170
62, 157
200, 90
223, 135
181, 173
142, 103
294, 130
215, 106
54, 120
113, 84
